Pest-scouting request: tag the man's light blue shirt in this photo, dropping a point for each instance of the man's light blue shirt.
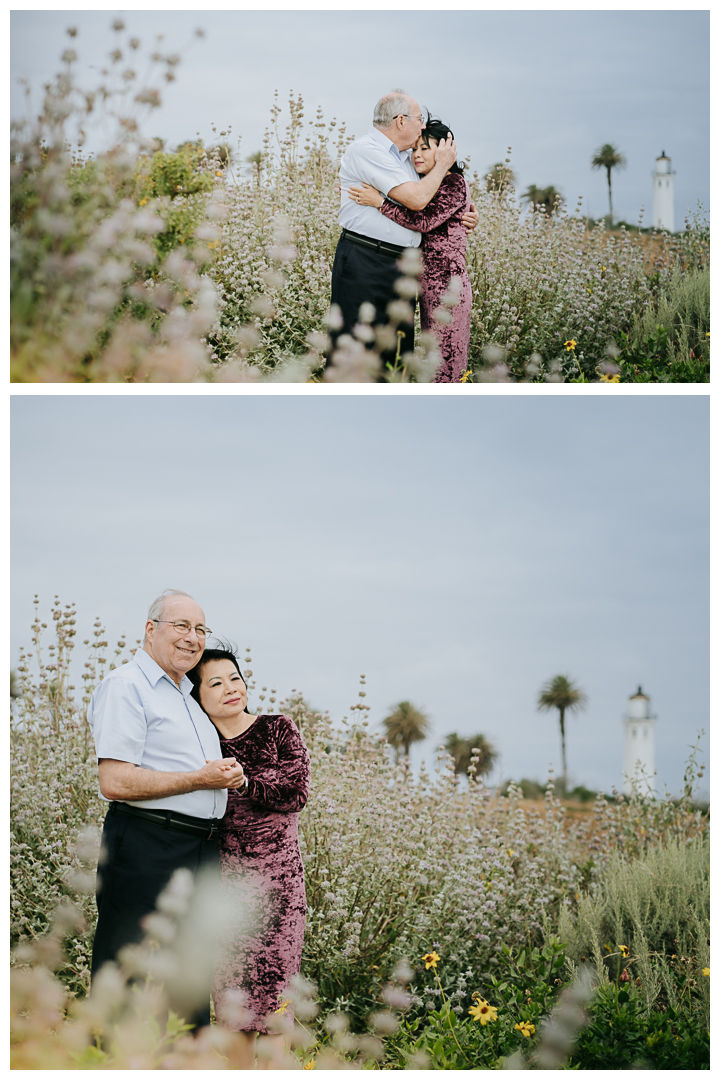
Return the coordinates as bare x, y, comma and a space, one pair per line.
376, 160
139, 714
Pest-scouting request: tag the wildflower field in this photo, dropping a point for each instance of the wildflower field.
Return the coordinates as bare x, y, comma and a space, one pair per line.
139, 264
449, 925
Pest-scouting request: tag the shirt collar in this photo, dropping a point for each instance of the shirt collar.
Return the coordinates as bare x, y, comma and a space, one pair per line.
387, 144
154, 673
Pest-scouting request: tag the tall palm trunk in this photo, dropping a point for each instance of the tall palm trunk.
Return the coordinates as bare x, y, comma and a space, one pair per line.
562, 739
609, 172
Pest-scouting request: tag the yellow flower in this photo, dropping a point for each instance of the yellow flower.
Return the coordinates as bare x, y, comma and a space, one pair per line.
706, 972
609, 378
218, 174
624, 950
483, 1012
282, 1008
431, 960
526, 1028
142, 202
570, 345
309, 1064
466, 376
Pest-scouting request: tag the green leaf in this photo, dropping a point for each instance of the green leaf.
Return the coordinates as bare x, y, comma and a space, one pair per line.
90, 1058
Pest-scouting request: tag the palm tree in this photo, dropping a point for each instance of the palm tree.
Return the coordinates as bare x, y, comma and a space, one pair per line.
461, 750
257, 164
404, 726
500, 178
548, 197
560, 693
609, 157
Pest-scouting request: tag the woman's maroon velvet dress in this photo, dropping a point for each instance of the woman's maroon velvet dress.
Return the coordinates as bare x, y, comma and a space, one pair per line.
260, 860
443, 248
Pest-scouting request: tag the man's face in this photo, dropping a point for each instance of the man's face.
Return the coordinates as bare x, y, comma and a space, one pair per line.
176, 651
412, 124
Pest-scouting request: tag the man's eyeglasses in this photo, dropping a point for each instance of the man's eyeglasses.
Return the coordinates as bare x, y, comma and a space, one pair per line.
183, 627
410, 116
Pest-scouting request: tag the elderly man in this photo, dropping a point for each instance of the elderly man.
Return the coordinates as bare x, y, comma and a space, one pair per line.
161, 768
366, 260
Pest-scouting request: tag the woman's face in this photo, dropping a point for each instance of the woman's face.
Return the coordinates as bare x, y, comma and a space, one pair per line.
223, 694
424, 154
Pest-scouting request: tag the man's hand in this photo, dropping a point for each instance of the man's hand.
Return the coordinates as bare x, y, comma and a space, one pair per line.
471, 219
446, 154
416, 194
225, 773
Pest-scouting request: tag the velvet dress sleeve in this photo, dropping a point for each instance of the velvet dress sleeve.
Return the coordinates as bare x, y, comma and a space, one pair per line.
449, 198
283, 787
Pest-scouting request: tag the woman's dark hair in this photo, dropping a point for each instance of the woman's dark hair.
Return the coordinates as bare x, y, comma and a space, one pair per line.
223, 652
435, 129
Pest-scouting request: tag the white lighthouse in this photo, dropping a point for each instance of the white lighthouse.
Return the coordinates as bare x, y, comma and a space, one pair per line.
639, 744
663, 194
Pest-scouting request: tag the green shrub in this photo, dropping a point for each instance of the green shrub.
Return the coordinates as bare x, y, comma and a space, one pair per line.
670, 342
658, 907
177, 183
623, 1035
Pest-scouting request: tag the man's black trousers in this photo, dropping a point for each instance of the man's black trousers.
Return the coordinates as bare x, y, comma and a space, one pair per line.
139, 859
362, 275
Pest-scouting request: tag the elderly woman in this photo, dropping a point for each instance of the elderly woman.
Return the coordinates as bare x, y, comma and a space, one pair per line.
259, 854
443, 248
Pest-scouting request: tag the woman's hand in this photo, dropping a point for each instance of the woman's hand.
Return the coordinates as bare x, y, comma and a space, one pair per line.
226, 773
470, 219
366, 195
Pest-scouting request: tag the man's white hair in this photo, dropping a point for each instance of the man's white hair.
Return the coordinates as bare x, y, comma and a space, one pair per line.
158, 606
390, 106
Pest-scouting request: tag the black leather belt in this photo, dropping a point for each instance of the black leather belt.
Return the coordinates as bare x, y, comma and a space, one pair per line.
376, 245
170, 819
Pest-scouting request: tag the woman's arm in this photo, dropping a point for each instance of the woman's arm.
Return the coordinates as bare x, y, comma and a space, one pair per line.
449, 199
284, 786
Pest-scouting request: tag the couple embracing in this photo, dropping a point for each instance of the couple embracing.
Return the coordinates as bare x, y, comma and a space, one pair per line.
195, 781
402, 188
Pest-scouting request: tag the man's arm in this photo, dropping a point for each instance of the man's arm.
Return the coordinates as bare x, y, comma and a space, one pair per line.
416, 194
123, 780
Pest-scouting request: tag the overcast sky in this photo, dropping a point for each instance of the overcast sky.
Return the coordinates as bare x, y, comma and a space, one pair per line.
457, 551
554, 85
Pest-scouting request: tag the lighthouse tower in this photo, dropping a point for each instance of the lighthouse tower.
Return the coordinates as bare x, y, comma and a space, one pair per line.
663, 194
639, 744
